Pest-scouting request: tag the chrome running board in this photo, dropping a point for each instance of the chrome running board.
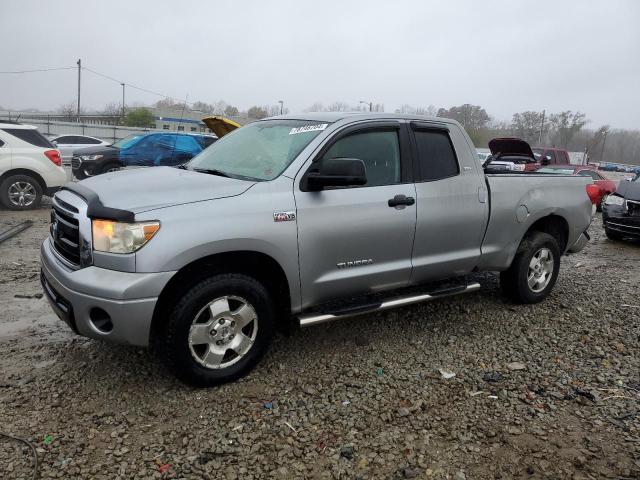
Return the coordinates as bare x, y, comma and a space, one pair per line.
317, 318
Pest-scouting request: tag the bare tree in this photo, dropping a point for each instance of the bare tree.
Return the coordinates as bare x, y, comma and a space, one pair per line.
69, 111
339, 107
316, 107
112, 108
257, 112
565, 125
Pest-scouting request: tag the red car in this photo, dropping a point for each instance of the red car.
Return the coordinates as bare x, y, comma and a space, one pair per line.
548, 156
605, 185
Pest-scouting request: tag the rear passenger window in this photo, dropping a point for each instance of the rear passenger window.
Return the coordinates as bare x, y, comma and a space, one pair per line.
30, 135
436, 156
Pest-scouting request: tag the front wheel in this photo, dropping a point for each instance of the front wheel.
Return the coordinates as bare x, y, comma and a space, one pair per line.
218, 331
534, 269
110, 167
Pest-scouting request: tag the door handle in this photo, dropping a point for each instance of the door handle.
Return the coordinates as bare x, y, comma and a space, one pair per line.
400, 200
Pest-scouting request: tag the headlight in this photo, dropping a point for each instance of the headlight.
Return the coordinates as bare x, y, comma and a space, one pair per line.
90, 157
119, 237
614, 200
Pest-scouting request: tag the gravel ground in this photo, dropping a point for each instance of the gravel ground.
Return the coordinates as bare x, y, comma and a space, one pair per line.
542, 391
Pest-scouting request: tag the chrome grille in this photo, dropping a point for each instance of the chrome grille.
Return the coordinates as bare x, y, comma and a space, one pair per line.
75, 162
65, 233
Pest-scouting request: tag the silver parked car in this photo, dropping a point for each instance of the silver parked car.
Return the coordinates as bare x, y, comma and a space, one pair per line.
66, 144
308, 218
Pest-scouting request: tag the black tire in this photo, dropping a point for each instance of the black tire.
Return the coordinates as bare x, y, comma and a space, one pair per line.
26, 182
111, 166
613, 235
80, 175
171, 340
514, 281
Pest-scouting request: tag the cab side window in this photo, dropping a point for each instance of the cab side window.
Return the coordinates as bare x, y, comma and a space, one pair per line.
378, 149
436, 156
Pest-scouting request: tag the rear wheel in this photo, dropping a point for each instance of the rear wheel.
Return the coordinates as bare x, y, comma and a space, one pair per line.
20, 192
534, 269
218, 331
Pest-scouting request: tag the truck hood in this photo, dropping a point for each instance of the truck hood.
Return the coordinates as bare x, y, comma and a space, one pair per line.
510, 147
629, 190
106, 150
142, 189
220, 125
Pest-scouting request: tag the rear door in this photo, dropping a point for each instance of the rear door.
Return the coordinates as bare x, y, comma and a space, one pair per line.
351, 240
5, 154
451, 195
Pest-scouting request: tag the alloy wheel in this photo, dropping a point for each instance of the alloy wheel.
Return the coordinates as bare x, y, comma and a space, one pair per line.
22, 194
540, 270
223, 332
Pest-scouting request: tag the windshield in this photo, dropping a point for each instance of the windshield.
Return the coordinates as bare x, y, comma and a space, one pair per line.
126, 141
260, 150
537, 152
559, 171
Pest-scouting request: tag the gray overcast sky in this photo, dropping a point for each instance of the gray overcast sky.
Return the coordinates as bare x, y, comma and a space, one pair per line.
507, 56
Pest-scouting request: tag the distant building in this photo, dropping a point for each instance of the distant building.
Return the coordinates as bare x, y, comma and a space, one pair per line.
187, 121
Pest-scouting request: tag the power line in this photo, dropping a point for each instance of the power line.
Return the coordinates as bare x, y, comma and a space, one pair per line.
120, 82
38, 70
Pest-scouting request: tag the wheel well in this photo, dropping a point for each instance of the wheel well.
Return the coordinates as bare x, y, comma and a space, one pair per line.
554, 225
253, 264
24, 171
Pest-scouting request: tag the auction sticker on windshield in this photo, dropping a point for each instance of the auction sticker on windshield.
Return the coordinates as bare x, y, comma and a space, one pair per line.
308, 128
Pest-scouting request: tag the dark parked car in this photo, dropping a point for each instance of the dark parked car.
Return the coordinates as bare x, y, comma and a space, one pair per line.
621, 211
144, 150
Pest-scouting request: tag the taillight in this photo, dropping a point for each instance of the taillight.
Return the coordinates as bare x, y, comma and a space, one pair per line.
594, 193
54, 156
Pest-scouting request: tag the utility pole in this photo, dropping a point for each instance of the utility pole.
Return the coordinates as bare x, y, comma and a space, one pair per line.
281, 106
122, 103
541, 128
368, 103
79, 70
604, 140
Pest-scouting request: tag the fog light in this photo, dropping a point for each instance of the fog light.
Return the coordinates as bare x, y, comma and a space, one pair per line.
100, 320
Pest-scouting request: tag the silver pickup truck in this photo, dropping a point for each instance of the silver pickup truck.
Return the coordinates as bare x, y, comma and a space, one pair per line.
298, 220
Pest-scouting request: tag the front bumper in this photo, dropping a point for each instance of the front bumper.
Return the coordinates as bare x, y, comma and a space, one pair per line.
616, 218
82, 297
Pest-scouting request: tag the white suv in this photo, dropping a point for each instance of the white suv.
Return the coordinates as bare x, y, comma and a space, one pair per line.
30, 167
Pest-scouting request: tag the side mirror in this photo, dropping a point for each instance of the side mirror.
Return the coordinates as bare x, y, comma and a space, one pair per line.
337, 172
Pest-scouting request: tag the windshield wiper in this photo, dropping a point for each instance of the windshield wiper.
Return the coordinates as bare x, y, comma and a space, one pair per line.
212, 171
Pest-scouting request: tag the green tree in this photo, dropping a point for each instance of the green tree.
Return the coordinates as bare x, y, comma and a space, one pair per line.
526, 125
472, 117
139, 117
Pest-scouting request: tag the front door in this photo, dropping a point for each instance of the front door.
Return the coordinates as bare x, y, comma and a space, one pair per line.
354, 240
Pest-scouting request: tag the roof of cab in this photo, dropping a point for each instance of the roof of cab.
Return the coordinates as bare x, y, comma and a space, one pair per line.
358, 116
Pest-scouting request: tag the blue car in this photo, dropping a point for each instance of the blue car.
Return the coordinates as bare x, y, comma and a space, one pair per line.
143, 150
